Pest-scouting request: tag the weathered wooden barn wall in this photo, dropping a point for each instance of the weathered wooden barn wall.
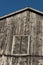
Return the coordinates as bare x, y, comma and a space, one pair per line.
21, 39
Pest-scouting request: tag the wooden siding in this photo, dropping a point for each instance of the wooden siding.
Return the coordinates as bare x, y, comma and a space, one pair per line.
21, 39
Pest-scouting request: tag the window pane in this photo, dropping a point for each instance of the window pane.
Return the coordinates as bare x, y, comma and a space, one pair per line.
20, 45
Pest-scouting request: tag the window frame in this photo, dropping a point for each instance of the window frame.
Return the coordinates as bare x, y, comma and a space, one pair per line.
27, 44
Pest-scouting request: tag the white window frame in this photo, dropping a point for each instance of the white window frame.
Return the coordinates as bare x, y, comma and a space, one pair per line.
27, 48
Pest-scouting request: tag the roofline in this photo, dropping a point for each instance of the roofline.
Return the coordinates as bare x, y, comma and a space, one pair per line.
19, 11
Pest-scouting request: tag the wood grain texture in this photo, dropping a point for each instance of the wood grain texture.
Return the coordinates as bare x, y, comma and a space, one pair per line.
21, 34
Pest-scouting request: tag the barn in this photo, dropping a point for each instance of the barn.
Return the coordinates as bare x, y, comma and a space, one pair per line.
21, 38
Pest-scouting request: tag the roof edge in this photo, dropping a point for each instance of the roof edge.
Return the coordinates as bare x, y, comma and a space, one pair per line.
24, 9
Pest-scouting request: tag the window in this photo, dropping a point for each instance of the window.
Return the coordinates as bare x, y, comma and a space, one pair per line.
20, 44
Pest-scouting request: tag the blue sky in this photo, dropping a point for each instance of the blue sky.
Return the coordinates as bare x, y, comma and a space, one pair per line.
9, 6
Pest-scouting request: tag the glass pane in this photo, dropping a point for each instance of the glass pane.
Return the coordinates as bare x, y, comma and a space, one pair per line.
20, 45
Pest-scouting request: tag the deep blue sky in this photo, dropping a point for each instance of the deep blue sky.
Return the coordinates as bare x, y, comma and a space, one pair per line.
8, 6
